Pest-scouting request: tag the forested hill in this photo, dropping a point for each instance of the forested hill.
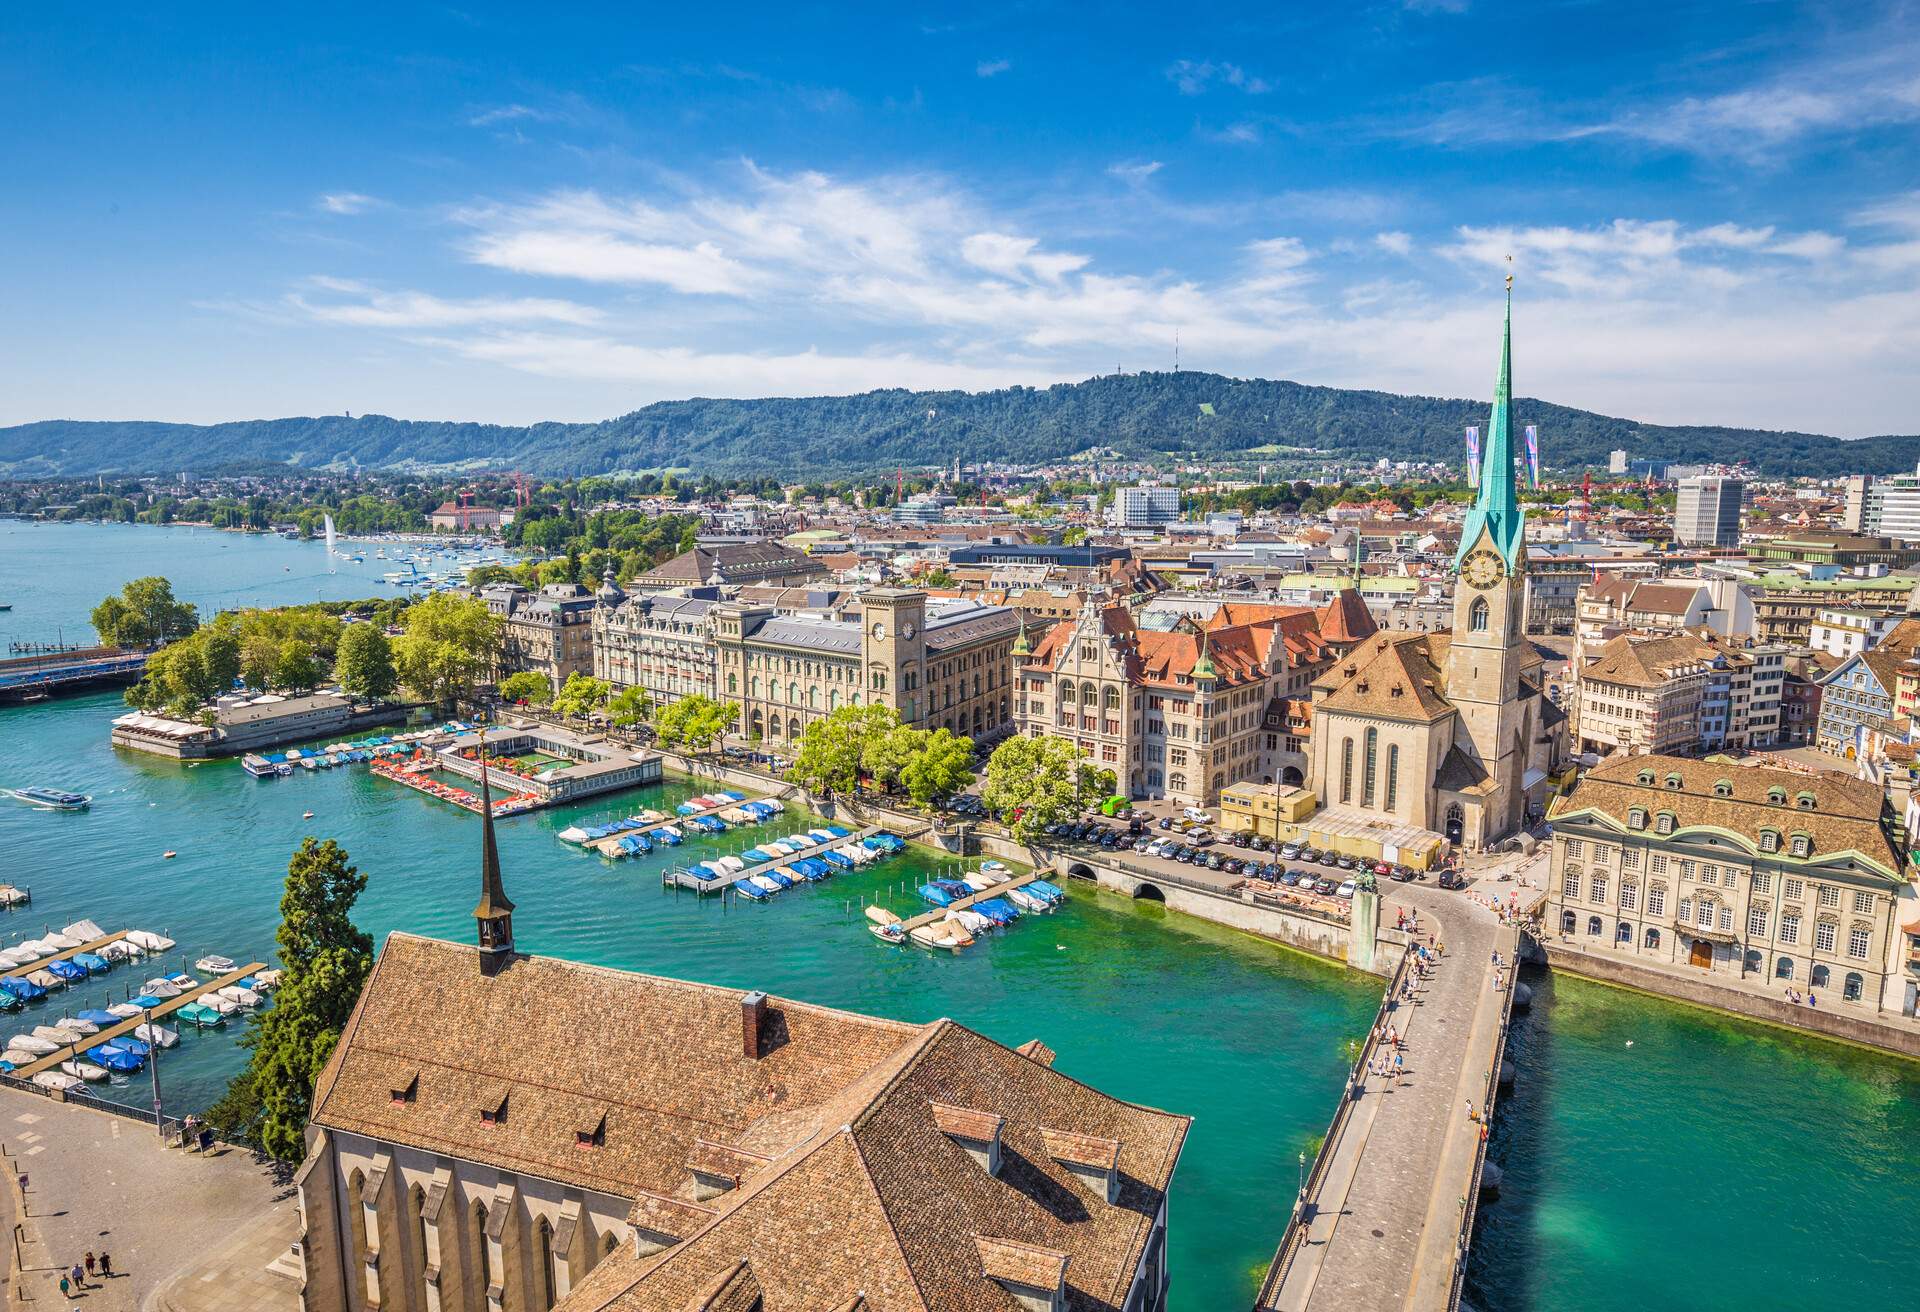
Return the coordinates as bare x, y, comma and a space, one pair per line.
1140, 414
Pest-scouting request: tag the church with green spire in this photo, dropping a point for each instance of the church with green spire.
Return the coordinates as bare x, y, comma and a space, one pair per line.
1451, 733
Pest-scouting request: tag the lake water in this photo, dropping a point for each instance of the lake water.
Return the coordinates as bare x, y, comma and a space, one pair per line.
1711, 1165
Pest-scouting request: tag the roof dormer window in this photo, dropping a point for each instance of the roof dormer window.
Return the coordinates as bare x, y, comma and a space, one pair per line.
1636, 818
1776, 796
1646, 778
1805, 801
409, 1092
1769, 840
1802, 845
1663, 823
1673, 781
496, 1115
591, 1138
1722, 788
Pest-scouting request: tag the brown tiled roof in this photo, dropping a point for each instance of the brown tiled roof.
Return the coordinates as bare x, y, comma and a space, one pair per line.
966, 1122
669, 1216
872, 1196
1080, 1149
1847, 813
1886, 657
1400, 675
1036, 1051
1022, 1264
733, 1290
678, 1077
1645, 662
1345, 618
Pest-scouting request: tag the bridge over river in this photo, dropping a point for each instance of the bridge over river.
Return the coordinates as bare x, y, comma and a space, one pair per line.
1384, 1219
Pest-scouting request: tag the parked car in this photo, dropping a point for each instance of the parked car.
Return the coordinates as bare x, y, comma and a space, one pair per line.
1261, 843
1166, 822
1213, 861
1328, 858
1198, 816
1309, 854
1290, 851
1325, 887
1347, 863
1345, 891
1239, 838
1448, 879
1401, 875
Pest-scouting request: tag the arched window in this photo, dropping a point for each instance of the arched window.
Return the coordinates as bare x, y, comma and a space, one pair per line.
1568, 922
1112, 698
1067, 691
1477, 617
1593, 925
607, 1245
1346, 769
753, 687
1623, 933
1393, 774
1366, 777
1783, 968
1089, 694
793, 727
1819, 977
1753, 961
1652, 938
1853, 987
833, 699
543, 1258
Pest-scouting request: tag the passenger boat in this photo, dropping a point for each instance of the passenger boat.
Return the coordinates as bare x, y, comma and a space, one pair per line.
215, 965
259, 767
52, 799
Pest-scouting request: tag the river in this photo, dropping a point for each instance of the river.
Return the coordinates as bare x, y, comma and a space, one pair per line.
1711, 1164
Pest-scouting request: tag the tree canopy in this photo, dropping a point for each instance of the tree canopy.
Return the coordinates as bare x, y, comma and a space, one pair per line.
581, 694
449, 646
363, 663
144, 613
1035, 782
527, 686
695, 722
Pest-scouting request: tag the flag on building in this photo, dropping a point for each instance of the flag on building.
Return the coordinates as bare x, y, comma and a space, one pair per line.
1533, 454
1473, 455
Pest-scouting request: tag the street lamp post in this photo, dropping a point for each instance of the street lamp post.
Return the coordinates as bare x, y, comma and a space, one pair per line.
153, 1068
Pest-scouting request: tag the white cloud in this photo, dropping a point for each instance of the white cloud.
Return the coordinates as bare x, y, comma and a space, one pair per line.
810, 283
1135, 172
1193, 77
345, 202
992, 67
1234, 134
496, 115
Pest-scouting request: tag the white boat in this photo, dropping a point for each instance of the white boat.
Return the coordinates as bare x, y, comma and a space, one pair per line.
59, 1081
994, 868
971, 921
148, 941
158, 1035
62, 942
572, 834
46, 979
947, 934
39, 948
765, 883
15, 960
225, 1006
978, 883
125, 1010
733, 863
121, 950
11, 896
267, 980
161, 988
84, 1070
58, 1034
215, 965
245, 997
84, 931
183, 981
32, 1043
77, 1025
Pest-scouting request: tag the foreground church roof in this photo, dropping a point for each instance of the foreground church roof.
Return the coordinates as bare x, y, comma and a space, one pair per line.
800, 1156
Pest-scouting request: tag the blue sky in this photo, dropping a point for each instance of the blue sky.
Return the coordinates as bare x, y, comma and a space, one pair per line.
565, 212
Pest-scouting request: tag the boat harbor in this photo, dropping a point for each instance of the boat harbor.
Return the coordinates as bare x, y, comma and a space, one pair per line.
967, 905
809, 857
110, 1036
638, 834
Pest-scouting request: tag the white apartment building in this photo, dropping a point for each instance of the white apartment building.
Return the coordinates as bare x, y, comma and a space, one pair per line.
1892, 507
1844, 632
1148, 505
1707, 513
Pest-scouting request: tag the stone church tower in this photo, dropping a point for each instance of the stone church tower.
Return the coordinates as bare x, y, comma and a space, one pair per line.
1489, 651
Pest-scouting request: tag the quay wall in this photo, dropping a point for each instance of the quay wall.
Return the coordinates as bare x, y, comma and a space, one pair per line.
1832, 1024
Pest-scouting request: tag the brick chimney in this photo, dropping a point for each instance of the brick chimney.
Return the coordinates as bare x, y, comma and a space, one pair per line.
753, 1012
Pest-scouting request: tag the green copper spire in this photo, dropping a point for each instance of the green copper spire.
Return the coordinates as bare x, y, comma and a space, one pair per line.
1497, 508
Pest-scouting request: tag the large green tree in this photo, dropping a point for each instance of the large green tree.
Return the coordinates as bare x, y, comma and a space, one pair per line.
629, 707
581, 694
695, 722
941, 767
833, 750
326, 960
363, 663
1035, 782
527, 686
295, 667
145, 613
185, 675
450, 644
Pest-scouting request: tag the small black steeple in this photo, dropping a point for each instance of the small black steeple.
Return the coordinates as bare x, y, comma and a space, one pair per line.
493, 918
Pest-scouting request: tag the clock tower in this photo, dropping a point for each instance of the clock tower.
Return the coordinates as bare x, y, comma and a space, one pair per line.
1489, 651
894, 649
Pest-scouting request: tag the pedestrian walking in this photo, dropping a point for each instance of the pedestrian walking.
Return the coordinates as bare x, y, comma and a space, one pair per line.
89, 1263
1399, 1065
78, 1283
64, 1289
106, 1264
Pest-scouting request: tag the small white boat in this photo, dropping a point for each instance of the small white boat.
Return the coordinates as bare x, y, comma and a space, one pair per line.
950, 935
267, 980
58, 1034
572, 834
32, 1043
971, 921
882, 916
183, 981
125, 1010
46, 979
733, 863
77, 1025
1027, 901
39, 947
161, 988
15, 960
225, 1006
978, 883
62, 942
84, 1070
765, 883
148, 941
11, 896
994, 868
84, 930
215, 965
158, 1035
59, 1081
245, 997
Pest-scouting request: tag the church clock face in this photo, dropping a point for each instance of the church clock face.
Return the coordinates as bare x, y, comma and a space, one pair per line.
1482, 569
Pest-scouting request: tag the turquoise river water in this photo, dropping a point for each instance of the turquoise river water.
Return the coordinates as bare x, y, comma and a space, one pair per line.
1711, 1164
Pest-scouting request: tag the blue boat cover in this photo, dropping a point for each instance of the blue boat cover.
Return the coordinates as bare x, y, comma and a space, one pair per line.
95, 1016
935, 894
67, 970
24, 989
745, 888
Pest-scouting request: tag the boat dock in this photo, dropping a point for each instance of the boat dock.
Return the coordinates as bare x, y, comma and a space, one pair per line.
679, 877
79, 1050
962, 903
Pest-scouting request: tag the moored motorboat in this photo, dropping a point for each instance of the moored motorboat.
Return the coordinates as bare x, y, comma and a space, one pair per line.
84, 1070
59, 1081
214, 965
78, 1025
947, 934
157, 1035
199, 1015
34, 1044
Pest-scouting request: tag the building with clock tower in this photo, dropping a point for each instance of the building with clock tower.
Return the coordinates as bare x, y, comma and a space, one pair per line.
1450, 732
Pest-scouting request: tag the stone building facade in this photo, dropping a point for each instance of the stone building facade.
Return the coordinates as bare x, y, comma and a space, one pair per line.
1784, 878
658, 642
549, 632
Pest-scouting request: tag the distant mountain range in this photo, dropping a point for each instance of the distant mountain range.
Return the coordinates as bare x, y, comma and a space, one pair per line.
1138, 414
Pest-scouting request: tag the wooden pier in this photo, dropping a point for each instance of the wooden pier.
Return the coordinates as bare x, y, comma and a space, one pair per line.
682, 878
961, 904
79, 1051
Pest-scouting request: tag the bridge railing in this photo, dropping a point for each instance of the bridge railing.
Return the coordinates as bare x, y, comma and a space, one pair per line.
1510, 946
1295, 1233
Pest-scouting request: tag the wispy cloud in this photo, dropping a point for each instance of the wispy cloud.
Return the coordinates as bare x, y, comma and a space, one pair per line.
1243, 133
992, 67
1194, 77
496, 115
345, 202
350, 302
1134, 172
1394, 243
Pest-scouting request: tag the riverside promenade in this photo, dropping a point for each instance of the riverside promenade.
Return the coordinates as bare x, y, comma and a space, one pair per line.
1386, 1217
